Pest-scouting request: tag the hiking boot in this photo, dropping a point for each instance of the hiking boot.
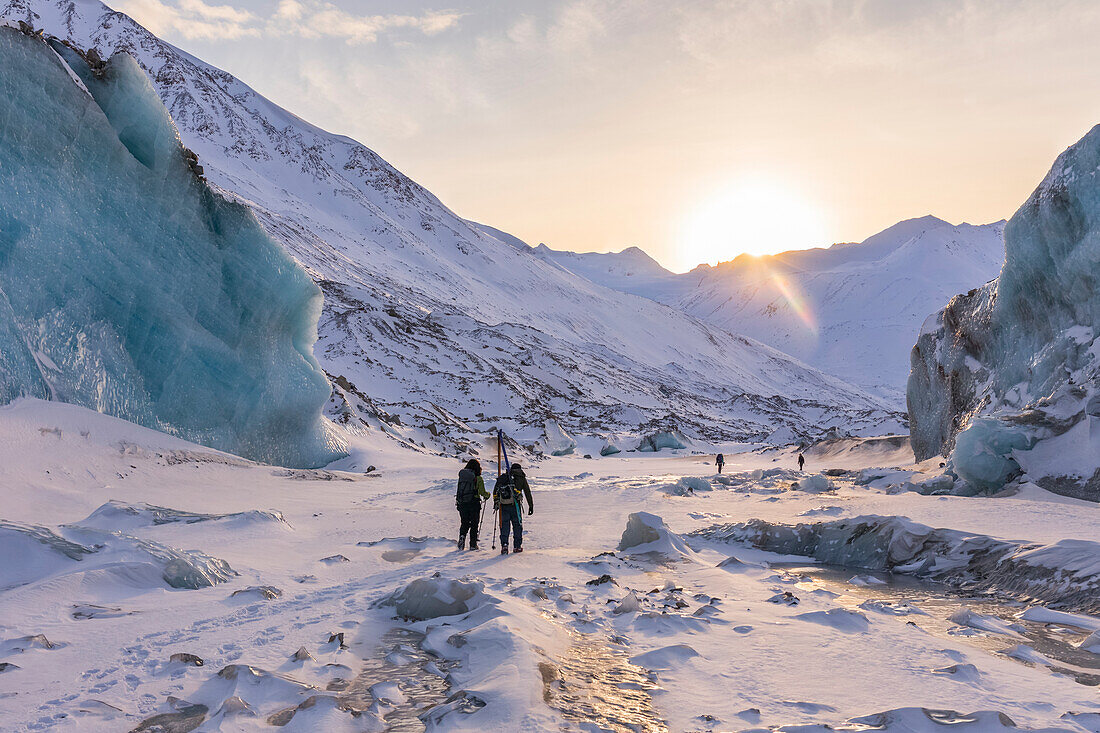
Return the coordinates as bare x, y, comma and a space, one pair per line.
518, 549
473, 546
504, 551
462, 542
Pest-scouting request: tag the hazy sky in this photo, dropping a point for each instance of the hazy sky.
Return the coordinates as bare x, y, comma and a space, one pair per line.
695, 130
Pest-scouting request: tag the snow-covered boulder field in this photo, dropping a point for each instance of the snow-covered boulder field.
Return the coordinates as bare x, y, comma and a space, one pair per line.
1004, 379
128, 285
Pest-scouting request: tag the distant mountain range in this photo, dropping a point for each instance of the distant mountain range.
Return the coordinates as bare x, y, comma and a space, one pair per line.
852, 310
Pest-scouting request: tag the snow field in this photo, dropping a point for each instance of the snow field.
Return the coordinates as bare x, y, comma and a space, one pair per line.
668, 640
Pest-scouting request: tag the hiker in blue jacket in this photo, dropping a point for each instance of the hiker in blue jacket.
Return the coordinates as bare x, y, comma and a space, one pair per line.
509, 492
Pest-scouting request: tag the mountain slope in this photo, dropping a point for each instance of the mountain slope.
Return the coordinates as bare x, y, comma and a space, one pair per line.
429, 321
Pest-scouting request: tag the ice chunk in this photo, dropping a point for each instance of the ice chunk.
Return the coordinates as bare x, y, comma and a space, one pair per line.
1091, 643
647, 533
966, 617
433, 597
815, 484
687, 485
610, 446
983, 452
663, 439
630, 603
127, 285
555, 440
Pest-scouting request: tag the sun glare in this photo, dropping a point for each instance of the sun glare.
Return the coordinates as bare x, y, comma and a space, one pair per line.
754, 217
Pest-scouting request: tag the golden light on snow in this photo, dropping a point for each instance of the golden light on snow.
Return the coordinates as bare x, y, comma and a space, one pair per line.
752, 217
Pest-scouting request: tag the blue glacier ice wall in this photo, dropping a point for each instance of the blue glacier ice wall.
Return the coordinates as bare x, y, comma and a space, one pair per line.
128, 286
1015, 363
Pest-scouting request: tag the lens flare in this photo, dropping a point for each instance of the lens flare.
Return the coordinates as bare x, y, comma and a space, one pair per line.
795, 299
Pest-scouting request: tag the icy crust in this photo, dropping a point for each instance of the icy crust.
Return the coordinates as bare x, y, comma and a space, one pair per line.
35, 553
1013, 364
118, 515
128, 286
1065, 574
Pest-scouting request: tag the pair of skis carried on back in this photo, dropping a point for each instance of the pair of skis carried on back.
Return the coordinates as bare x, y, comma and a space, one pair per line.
501, 450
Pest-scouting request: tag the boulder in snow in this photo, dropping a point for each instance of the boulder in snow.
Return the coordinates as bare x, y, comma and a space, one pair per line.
434, 597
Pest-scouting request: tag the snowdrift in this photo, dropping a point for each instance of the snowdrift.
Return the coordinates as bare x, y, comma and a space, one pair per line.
1012, 365
1065, 574
127, 285
35, 553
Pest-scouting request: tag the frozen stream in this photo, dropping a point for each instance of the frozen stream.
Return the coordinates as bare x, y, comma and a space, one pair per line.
598, 688
402, 682
931, 606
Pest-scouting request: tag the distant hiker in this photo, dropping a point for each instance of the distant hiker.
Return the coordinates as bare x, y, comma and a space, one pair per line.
508, 494
721, 461
471, 490
801, 461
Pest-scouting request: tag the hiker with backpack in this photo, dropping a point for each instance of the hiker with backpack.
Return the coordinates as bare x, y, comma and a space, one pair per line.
509, 492
471, 490
721, 461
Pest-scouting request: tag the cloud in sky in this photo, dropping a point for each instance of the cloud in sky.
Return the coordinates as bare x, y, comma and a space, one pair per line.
193, 19
595, 124
313, 19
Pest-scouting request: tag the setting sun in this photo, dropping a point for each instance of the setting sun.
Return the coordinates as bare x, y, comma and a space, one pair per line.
754, 217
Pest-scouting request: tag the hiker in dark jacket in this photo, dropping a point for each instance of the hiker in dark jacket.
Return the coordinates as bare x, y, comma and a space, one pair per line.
721, 461
471, 490
508, 494
801, 461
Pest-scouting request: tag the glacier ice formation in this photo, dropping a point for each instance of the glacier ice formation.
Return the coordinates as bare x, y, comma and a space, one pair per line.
127, 285
1065, 574
1011, 366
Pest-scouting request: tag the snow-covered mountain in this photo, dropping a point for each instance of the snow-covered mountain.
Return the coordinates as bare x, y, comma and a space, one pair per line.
851, 310
632, 270
433, 323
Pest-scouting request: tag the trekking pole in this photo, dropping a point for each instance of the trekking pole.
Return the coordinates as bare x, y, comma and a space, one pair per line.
495, 510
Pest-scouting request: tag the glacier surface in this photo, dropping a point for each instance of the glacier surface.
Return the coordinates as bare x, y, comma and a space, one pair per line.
127, 285
1006, 368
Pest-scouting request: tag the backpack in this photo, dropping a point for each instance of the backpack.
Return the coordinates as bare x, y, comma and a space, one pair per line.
720, 459
504, 490
467, 487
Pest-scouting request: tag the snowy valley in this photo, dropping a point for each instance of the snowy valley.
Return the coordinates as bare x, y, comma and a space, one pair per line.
242, 361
